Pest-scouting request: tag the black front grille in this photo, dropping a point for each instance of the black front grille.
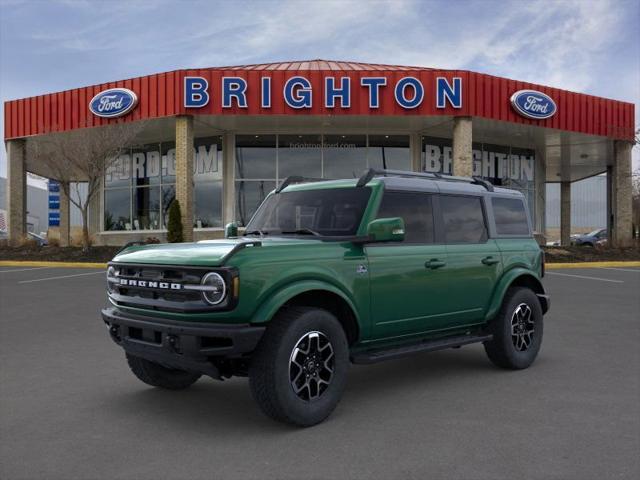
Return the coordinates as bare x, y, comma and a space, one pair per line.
152, 287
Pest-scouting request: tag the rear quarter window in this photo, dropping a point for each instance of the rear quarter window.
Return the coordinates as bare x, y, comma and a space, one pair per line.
463, 219
511, 216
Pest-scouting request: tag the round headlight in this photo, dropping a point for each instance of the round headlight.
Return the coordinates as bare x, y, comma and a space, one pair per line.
216, 288
111, 273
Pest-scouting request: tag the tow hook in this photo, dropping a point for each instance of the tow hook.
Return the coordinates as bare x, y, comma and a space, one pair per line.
174, 345
114, 331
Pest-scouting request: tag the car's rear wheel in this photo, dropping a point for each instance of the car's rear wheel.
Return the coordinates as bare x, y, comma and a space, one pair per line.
299, 370
160, 376
517, 330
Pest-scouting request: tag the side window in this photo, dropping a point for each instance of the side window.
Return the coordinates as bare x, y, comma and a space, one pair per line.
463, 219
415, 209
511, 216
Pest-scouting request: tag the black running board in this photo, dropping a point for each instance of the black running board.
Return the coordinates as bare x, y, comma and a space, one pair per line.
379, 355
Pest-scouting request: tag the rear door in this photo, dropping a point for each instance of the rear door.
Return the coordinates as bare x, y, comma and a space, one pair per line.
408, 279
474, 262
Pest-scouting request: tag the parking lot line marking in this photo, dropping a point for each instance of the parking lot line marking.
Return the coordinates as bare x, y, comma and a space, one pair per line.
621, 269
63, 276
29, 263
585, 277
623, 264
23, 269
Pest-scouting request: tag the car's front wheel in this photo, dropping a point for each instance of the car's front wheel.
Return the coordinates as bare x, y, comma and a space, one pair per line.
517, 330
299, 370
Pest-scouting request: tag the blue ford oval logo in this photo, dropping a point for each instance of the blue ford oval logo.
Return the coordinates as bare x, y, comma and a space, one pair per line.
114, 102
533, 104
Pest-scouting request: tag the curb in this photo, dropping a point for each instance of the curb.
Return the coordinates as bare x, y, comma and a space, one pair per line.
551, 266
20, 263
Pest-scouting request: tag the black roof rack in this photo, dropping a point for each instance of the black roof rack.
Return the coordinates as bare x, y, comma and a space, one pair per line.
369, 174
290, 180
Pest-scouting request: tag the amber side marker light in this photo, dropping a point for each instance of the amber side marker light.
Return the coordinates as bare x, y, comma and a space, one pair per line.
235, 287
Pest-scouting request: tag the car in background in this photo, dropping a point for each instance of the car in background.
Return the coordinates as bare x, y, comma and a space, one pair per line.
591, 239
39, 239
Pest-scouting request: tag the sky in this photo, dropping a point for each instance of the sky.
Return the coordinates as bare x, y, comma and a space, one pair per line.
589, 46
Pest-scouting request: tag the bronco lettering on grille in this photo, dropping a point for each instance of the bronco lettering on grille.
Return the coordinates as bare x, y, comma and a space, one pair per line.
149, 284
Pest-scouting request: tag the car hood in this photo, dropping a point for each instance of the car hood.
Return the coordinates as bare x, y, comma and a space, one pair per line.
208, 253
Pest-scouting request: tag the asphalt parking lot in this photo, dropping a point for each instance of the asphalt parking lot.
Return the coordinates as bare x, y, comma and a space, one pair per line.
70, 409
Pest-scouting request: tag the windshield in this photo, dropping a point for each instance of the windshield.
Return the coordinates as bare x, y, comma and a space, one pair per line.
594, 233
324, 212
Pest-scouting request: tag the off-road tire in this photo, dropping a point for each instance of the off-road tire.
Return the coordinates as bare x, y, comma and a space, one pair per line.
502, 350
270, 370
156, 375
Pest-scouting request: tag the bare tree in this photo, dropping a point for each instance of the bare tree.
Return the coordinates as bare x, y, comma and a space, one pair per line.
84, 156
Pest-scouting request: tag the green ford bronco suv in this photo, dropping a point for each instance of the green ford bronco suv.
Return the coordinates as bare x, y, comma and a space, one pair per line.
330, 273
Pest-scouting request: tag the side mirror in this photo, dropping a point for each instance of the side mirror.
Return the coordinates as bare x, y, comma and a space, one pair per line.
386, 230
231, 230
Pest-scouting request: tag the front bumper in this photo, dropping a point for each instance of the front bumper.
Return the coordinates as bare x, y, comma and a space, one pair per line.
186, 346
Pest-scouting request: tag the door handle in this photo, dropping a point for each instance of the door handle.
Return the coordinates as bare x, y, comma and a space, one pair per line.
490, 260
434, 263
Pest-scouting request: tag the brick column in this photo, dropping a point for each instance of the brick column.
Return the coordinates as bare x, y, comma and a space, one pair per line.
621, 188
16, 191
65, 216
184, 173
565, 213
462, 149
228, 178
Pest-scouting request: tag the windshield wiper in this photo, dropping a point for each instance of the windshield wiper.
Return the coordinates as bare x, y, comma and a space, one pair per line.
302, 231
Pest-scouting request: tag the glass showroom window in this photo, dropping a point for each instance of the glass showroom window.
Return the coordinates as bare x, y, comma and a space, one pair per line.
207, 186
262, 161
256, 173
389, 152
146, 177
168, 172
146, 208
117, 209
140, 186
117, 194
344, 156
299, 155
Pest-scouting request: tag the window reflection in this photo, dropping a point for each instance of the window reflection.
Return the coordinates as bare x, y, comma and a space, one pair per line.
389, 152
117, 213
168, 195
344, 156
146, 208
249, 196
256, 157
151, 170
208, 205
300, 155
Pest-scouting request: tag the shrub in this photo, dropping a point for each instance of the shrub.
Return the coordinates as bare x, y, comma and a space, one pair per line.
174, 228
28, 243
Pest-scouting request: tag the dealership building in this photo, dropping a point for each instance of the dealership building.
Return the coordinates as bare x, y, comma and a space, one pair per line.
220, 139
